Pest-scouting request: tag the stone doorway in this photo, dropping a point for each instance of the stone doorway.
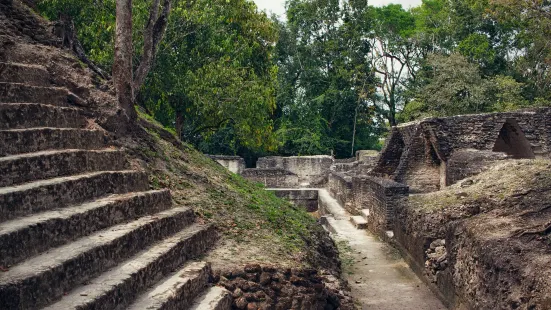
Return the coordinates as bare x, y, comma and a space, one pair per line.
513, 142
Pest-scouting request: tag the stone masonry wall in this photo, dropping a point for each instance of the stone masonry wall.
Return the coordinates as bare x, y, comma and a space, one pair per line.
311, 170
419, 166
417, 153
306, 198
466, 163
340, 187
482, 130
277, 178
268, 287
390, 155
380, 196
234, 164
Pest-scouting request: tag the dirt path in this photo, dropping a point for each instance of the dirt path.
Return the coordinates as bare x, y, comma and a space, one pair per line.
378, 276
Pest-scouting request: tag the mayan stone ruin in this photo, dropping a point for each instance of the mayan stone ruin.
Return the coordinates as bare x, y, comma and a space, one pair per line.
99, 211
372, 191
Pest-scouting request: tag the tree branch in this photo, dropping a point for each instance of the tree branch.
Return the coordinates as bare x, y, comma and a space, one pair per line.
153, 34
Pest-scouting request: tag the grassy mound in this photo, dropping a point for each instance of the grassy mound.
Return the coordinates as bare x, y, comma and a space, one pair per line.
256, 226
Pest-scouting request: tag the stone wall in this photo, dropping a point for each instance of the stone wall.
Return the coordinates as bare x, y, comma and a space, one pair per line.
306, 198
390, 157
367, 155
482, 131
311, 170
340, 187
380, 197
277, 178
420, 165
417, 153
466, 163
234, 164
345, 167
269, 287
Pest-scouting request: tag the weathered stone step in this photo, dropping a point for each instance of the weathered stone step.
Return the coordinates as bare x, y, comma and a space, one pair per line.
19, 141
24, 73
17, 92
365, 214
120, 286
46, 277
359, 222
177, 291
31, 235
34, 197
214, 298
29, 115
17, 169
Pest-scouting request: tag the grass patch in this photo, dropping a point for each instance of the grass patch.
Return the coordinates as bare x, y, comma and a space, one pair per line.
345, 254
506, 179
247, 215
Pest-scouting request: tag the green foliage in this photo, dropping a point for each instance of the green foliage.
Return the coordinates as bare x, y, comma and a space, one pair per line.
324, 80
455, 86
334, 75
213, 73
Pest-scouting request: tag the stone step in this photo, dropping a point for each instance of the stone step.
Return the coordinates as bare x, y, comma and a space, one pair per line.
31, 235
24, 73
29, 115
34, 197
359, 222
214, 298
19, 141
177, 291
46, 277
17, 169
365, 214
18, 92
120, 286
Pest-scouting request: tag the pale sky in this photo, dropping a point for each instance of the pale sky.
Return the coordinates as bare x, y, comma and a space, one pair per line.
278, 6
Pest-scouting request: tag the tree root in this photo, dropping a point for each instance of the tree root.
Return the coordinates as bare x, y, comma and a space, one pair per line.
65, 29
534, 212
535, 230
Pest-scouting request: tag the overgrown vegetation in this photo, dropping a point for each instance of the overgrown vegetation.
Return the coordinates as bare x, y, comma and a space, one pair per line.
245, 212
522, 177
331, 77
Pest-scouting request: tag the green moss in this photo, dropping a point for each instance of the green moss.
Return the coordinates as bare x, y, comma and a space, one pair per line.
244, 211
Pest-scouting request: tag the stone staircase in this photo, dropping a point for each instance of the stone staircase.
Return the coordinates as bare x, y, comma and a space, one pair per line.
78, 228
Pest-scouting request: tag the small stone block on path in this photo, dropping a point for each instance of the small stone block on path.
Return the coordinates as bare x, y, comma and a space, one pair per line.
359, 222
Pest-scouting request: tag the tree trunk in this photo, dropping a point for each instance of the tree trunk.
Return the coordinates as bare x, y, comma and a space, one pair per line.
122, 66
153, 34
179, 124
354, 131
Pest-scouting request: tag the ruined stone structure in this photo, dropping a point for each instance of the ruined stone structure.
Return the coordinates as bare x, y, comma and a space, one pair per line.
302, 197
277, 178
311, 170
424, 155
79, 228
234, 164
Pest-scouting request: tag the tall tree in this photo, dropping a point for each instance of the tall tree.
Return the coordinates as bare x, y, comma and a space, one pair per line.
394, 57
453, 85
122, 64
214, 74
324, 74
530, 22
98, 27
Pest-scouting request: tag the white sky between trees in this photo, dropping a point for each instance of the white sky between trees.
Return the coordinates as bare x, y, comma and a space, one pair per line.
278, 6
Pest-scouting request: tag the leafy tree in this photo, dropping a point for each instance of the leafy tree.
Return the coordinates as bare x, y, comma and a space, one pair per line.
214, 71
89, 17
453, 86
530, 21
394, 57
325, 81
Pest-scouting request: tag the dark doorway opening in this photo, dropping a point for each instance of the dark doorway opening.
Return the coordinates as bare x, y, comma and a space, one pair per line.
512, 141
